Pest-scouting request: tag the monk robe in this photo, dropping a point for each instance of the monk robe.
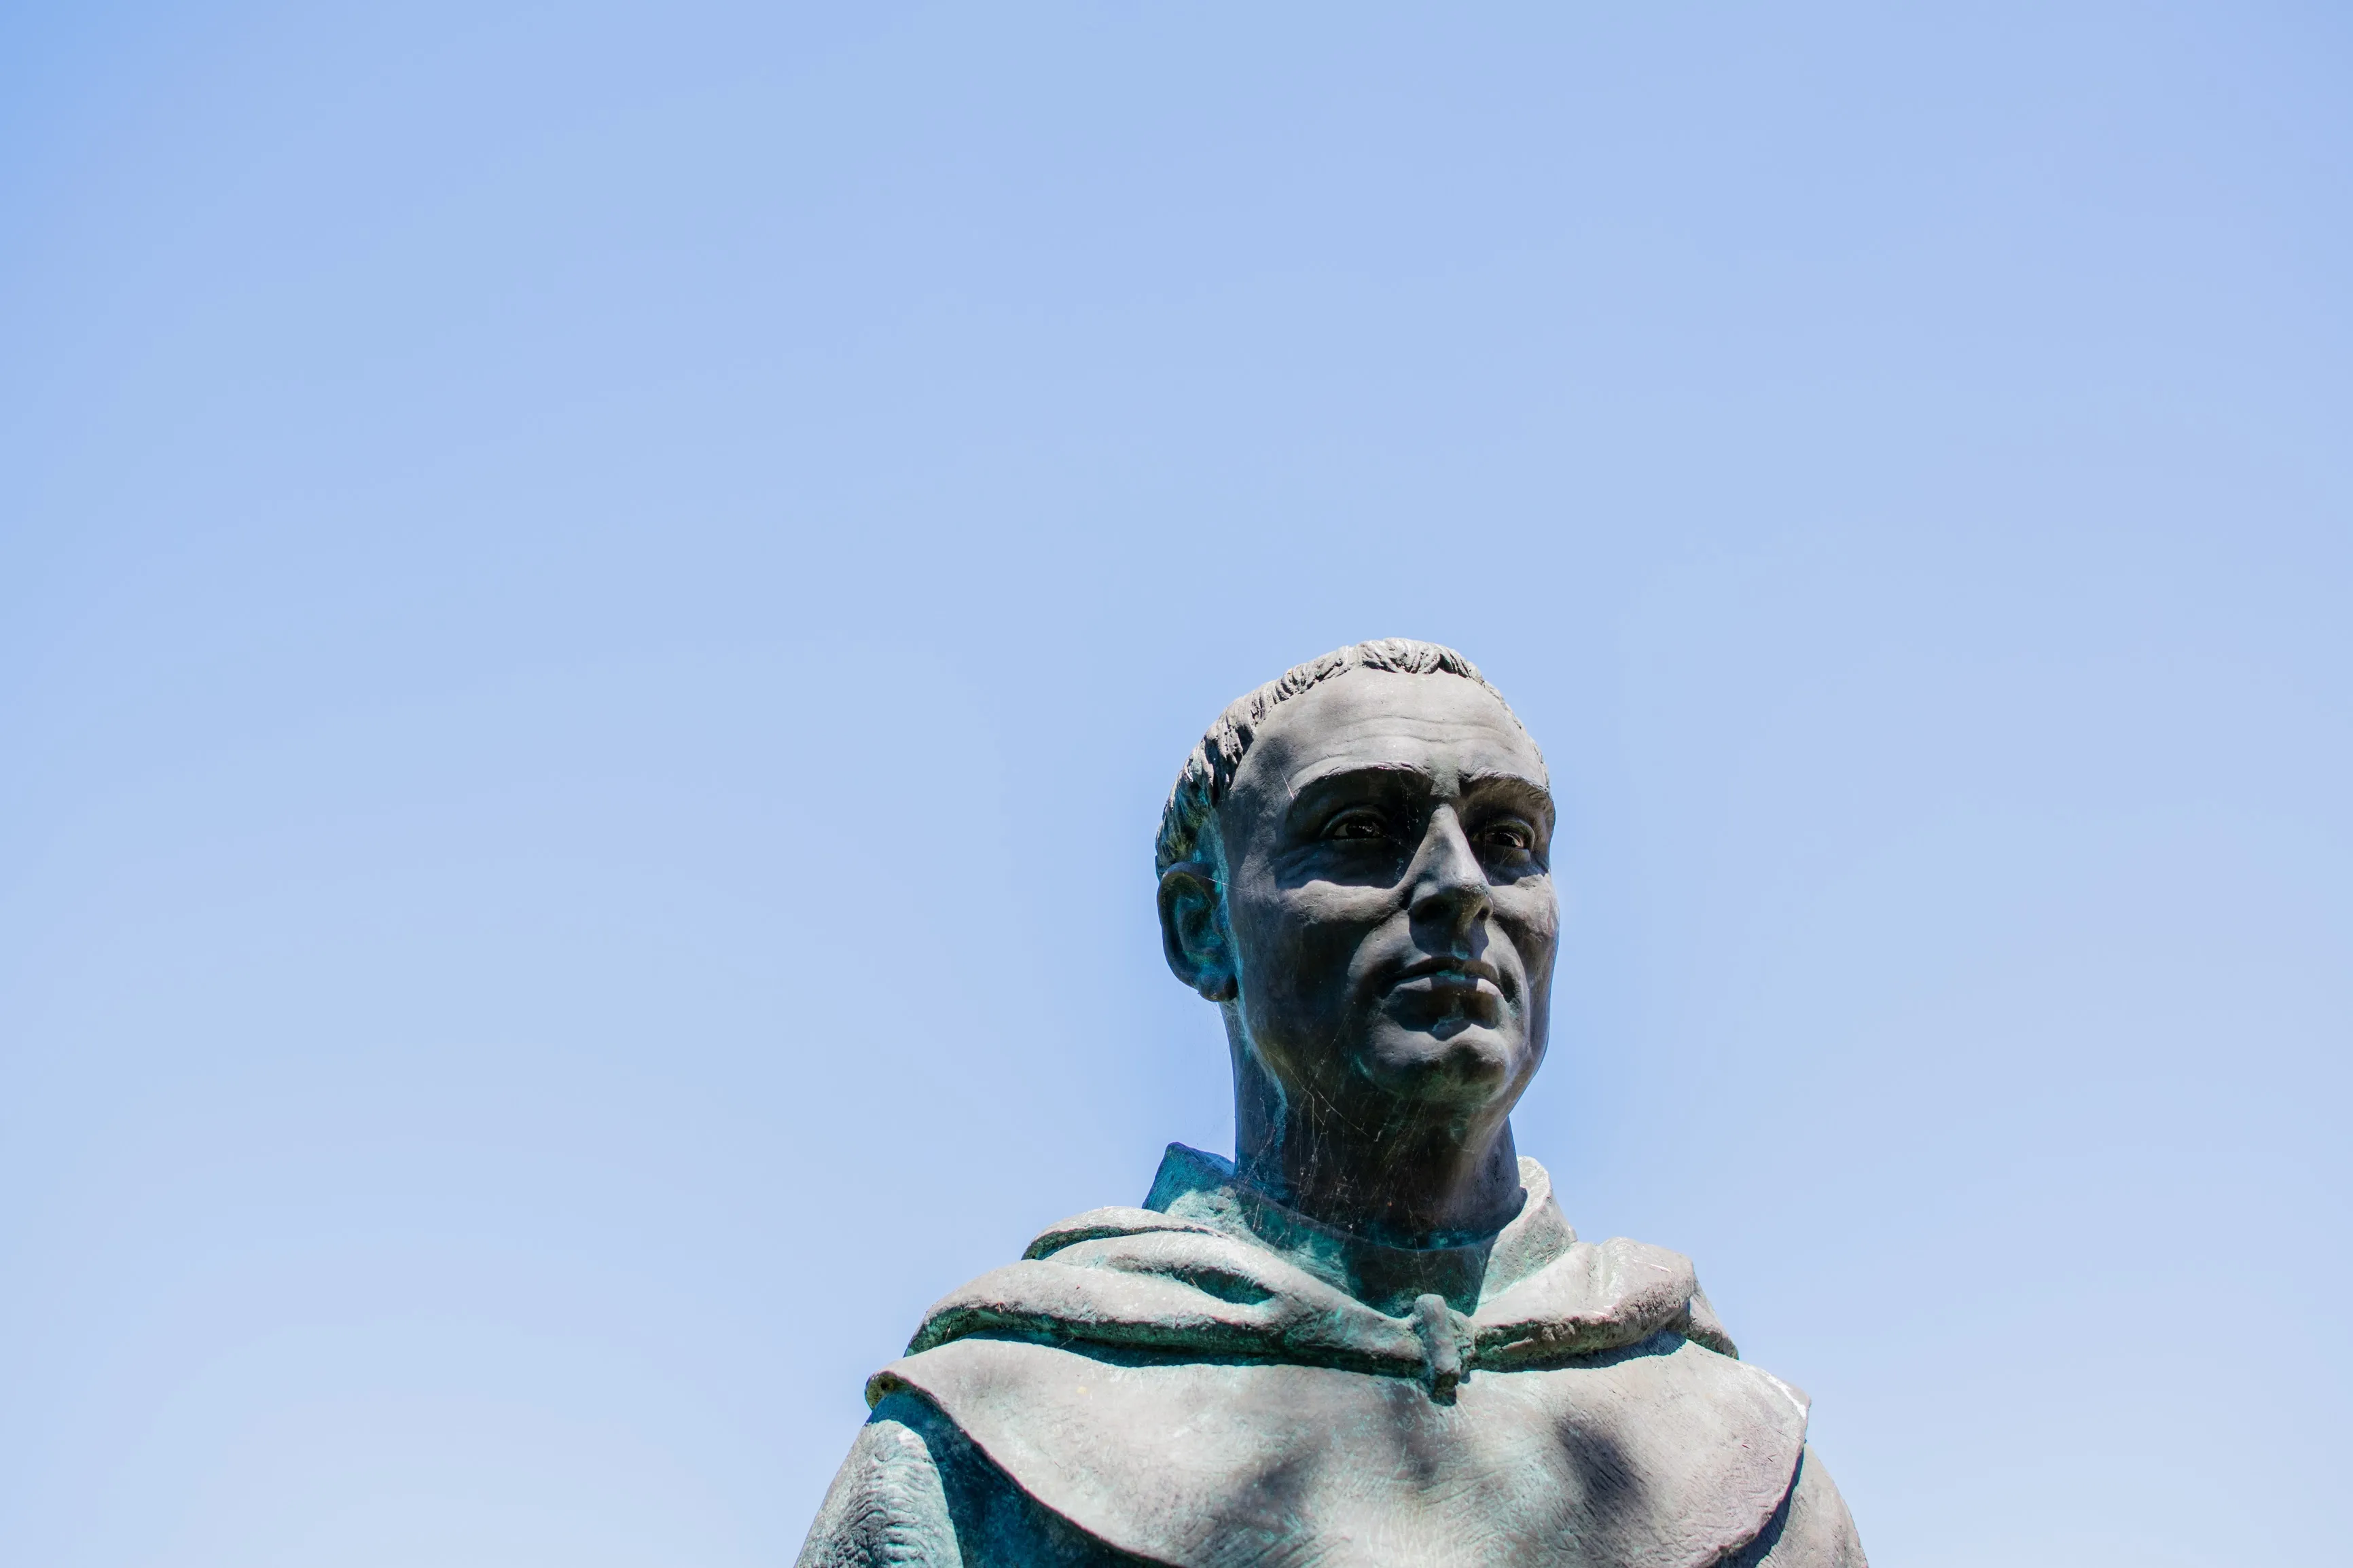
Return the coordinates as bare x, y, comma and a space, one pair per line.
1215, 1380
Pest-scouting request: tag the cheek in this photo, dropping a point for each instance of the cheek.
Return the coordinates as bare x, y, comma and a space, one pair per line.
1303, 940
1532, 920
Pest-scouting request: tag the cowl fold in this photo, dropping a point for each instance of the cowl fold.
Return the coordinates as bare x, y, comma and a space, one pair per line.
1214, 1380
1199, 1274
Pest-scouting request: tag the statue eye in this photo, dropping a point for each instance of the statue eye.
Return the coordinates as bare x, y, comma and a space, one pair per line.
1517, 837
1361, 824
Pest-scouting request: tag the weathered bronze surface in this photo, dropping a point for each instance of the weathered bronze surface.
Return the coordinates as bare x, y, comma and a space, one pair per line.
1372, 1337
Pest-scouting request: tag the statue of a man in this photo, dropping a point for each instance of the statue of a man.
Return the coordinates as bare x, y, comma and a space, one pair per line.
1372, 1339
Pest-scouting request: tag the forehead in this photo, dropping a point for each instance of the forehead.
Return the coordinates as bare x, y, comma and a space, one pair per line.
1440, 724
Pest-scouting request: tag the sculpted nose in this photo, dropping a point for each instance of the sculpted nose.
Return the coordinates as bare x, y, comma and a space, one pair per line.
1450, 886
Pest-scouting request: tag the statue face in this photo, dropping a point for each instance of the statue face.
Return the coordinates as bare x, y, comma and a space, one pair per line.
1389, 902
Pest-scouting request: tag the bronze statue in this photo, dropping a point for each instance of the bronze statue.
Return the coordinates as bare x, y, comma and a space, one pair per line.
1371, 1339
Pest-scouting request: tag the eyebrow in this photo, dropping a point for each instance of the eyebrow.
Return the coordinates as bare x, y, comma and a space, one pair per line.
1485, 778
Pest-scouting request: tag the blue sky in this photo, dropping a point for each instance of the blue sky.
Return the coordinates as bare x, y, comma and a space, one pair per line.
597, 601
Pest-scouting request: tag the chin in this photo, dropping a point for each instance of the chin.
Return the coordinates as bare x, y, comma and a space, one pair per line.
1465, 1064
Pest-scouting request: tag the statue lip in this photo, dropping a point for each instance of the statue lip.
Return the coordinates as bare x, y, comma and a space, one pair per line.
1438, 976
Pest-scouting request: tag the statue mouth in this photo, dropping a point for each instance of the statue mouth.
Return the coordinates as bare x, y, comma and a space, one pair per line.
1450, 983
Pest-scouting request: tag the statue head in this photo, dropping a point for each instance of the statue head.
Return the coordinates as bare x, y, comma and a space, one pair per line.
1354, 867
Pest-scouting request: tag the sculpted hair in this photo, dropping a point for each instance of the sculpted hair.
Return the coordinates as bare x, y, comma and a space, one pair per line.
1210, 772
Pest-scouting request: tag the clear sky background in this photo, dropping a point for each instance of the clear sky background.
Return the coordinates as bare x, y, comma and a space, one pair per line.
598, 603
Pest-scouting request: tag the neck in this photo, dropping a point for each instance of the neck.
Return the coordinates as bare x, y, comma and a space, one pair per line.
1395, 1173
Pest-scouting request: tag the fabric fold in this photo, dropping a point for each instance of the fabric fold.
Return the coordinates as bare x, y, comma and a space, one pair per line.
1138, 1279
1213, 1381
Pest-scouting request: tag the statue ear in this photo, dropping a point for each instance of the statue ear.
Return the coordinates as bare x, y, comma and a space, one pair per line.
1193, 931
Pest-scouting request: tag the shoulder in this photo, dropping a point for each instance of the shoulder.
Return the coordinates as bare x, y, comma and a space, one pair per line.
887, 1507
1813, 1528
915, 1493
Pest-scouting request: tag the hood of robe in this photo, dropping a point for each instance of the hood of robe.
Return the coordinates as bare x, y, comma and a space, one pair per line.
1198, 1270
1214, 1380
